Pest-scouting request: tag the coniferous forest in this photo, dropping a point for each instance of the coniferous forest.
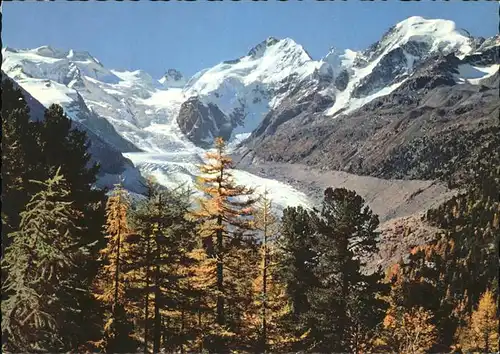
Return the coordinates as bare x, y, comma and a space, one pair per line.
91, 270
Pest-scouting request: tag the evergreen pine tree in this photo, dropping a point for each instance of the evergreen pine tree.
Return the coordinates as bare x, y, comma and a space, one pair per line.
35, 150
16, 153
41, 311
26, 157
346, 305
294, 270
61, 145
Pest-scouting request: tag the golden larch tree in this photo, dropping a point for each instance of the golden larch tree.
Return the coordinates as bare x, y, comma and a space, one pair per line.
267, 224
224, 212
202, 282
481, 333
407, 331
270, 303
111, 280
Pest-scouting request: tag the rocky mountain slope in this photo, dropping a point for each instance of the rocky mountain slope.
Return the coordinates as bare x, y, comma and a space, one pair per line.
416, 101
403, 108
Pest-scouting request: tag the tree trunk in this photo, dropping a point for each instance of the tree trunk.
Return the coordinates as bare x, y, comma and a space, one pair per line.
199, 311
117, 270
182, 327
264, 288
344, 294
220, 264
220, 276
146, 298
157, 318
165, 331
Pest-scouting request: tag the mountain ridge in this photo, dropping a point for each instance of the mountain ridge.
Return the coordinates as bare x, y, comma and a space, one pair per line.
269, 95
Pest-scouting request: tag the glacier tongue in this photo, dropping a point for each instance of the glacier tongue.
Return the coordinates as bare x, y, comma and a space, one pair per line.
180, 168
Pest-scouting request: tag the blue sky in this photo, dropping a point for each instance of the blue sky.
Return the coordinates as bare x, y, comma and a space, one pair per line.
190, 36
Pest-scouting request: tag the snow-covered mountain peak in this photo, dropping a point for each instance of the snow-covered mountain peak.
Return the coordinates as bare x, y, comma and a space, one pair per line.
260, 48
247, 88
270, 62
271, 45
173, 78
58, 65
389, 62
340, 59
49, 52
436, 34
423, 25
81, 56
55, 53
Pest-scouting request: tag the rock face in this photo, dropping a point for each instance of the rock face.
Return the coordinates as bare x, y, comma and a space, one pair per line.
389, 70
202, 123
487, 52
342, 80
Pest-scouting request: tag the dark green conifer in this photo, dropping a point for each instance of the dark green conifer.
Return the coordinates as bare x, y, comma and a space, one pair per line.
346, 305
41, 311
163, 239
16, 153
61, 145
296, 262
